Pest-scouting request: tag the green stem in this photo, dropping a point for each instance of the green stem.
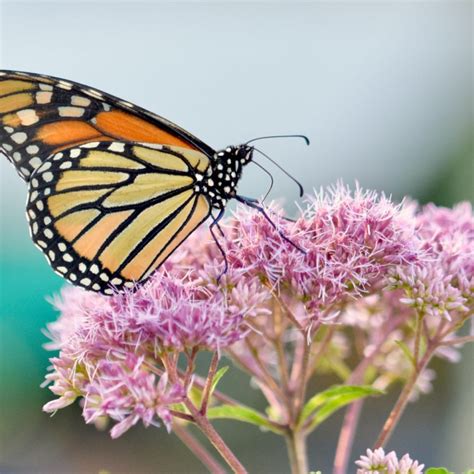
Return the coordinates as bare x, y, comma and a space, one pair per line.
296, 446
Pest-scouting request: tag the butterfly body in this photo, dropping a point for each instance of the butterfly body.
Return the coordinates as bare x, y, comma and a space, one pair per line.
113, 189
220, 181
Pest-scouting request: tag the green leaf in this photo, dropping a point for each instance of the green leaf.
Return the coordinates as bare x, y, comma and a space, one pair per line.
242, 413
405, 349
218, 375
324, 404
195, 394
438, 470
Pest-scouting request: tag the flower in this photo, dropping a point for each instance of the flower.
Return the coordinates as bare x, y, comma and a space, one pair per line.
111, 347
352, 260
127, 392
377, 462
166, 313
442, 283
350, 241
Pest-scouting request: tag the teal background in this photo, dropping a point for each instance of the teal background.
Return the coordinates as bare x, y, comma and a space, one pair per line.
384, 91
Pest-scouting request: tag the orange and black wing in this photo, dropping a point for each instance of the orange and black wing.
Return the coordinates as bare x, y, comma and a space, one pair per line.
112, 187
40, 115
109, 213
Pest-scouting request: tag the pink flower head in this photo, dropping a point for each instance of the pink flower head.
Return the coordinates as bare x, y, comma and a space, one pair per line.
442, 282
335, 264
350, 243
166, 313
111, 347
127, 392
377, 462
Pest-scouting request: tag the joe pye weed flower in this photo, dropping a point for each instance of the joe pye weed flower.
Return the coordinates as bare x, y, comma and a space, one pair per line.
386, 285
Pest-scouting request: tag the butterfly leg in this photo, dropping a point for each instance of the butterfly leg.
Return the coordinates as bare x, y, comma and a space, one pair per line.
215, 223
254, 204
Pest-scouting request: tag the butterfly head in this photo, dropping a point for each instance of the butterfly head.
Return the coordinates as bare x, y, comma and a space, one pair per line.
223, 176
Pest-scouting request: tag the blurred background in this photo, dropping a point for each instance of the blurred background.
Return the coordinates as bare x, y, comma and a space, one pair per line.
385, 93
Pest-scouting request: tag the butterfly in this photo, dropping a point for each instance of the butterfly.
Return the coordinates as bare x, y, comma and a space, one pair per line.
113, 189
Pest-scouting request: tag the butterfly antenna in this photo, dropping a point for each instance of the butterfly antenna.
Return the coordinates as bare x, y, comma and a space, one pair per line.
282, 169
304, 137
271, 179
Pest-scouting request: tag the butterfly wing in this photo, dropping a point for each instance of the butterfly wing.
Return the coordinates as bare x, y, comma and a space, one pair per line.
111, 212
41, 115
111, 185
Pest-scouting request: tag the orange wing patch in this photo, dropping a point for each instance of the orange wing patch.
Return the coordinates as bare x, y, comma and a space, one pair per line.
144, 223
15, 102
65, 132
89, 244
124, 126
143, 260
73, 224
10, 86
170, 242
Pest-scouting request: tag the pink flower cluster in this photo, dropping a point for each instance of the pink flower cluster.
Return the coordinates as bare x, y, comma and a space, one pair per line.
350, 241
357, 246
443, 283
110, 347
377, 462
127, 392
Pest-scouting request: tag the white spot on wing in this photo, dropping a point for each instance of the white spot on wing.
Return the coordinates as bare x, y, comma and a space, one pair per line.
117, 146
81, 101
43, 97
32, 149
71, 111
27, 117
19, 137
48, 177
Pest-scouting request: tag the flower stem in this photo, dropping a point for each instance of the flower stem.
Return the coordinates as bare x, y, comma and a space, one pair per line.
213, 436
210, 378
346, 437
198, 450
418, 333
402, 401
457, 340
351, 418
303, 371
296, 446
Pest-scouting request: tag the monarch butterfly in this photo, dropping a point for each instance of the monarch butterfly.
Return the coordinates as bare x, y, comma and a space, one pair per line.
113, 189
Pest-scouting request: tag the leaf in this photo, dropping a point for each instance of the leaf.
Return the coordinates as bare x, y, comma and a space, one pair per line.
324, 404
218, 375
242, 413
195, 394
405, 349
438, 470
